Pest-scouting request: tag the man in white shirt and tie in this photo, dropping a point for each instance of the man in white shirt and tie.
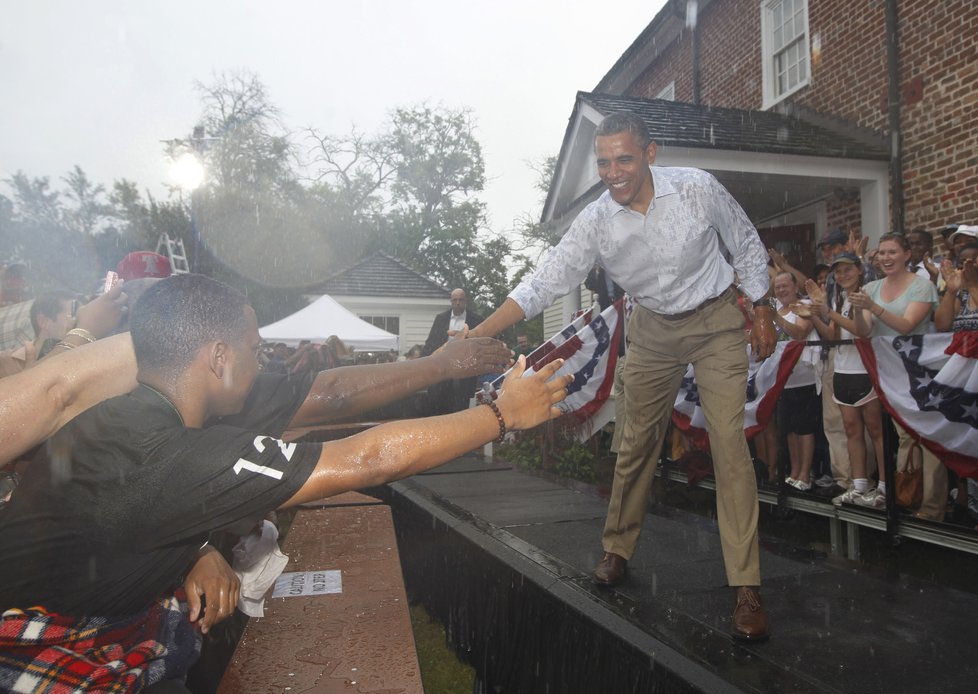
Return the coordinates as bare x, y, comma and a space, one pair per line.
673, 239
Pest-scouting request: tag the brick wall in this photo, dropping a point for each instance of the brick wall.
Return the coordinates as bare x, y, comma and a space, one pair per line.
939, 81
672, 65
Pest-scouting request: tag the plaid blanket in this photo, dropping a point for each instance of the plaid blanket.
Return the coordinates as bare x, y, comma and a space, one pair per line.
44, 652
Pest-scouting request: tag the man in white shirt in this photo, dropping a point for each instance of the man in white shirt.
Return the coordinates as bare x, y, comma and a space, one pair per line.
665, 235
451, 396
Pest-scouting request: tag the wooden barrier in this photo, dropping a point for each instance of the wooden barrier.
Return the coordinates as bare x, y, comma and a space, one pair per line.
359, 640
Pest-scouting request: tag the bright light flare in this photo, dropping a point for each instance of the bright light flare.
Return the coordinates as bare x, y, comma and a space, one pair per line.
187, 171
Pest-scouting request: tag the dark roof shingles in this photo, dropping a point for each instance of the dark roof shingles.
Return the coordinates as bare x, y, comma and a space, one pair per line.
689, 125
381, 275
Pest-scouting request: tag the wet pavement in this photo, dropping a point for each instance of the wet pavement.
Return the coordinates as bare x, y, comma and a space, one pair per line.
504, 557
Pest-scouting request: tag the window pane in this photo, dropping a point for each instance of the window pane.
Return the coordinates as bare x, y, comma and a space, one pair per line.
778, 39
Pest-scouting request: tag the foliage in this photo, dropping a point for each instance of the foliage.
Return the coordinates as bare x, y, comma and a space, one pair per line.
271, 224
551, 448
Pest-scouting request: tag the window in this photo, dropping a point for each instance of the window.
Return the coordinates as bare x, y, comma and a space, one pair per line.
391, 324
784, 47
668, 93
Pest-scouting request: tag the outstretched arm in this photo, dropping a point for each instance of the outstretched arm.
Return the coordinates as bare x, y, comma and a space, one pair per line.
509, 313
348, 391
36, 403
398, 449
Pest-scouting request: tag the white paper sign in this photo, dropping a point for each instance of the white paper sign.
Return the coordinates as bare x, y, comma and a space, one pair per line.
294, 584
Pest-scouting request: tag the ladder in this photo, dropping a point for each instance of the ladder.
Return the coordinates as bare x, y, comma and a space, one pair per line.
174, 251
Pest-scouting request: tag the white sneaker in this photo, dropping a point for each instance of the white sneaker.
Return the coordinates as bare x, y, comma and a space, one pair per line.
825, 481
801, 486
871, 499
847, 497
789, 480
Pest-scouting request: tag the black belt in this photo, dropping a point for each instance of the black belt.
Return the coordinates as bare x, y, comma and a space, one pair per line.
692, 311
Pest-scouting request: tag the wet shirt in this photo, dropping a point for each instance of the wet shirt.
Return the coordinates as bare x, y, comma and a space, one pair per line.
669, 260
116, 514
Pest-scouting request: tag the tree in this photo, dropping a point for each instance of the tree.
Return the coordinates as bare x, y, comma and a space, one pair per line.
244, 142
347, 188
90, 207
436, 224
35, 233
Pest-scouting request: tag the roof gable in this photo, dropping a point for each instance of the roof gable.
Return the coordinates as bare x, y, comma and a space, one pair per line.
683, 125
381, 275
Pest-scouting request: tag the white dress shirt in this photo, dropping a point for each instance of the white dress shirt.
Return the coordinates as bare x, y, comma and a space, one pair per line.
669, 260
456, 322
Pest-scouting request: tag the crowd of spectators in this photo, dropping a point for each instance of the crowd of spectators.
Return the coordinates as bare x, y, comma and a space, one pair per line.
906, 285
124, 478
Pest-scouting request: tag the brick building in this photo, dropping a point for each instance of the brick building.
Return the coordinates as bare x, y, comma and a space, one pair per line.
814, 113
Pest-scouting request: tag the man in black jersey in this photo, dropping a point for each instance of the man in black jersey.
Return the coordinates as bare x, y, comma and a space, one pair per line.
134, 485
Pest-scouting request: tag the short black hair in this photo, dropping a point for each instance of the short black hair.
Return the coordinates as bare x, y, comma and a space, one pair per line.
48, 304
625, 122
923, 232
175, 317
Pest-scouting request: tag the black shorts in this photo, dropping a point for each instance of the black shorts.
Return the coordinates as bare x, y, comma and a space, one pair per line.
853, 390
798, 410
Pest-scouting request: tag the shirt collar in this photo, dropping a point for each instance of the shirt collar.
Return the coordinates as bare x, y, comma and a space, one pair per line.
661, 187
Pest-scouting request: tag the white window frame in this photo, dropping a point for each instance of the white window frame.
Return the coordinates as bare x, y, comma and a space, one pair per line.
768, 56
668, 92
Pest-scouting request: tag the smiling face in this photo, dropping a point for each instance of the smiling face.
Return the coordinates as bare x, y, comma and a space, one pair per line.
785, 289
847, 276
892, 257
623, 165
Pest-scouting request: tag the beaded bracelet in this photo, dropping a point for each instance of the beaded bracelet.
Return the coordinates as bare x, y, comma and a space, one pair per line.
502, 423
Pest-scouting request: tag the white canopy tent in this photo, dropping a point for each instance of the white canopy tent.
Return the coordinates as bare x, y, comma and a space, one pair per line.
324, 317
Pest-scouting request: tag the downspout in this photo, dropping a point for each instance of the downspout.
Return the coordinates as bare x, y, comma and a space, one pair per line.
692, 8
893, 97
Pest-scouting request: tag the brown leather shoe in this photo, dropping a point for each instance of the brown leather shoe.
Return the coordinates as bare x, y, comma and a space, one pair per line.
749, 617
610, 571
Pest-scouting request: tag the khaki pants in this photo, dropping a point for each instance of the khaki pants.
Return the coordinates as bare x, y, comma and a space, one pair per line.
835, 432
618, 393
658, 352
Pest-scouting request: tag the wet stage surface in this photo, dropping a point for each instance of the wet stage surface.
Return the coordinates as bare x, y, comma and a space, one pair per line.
836, 626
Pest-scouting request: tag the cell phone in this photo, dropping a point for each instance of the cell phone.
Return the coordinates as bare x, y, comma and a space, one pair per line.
111, 278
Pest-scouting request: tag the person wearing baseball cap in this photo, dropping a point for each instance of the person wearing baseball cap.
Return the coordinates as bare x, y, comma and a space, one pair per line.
141, 264
960, 236
833, 243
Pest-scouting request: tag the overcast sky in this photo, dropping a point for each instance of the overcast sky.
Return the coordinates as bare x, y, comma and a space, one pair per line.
100, 83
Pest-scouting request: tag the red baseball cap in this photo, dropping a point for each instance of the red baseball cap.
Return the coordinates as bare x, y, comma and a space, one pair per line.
140, 264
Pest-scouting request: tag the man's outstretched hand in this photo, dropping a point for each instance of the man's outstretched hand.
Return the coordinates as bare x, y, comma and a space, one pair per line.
462, 358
